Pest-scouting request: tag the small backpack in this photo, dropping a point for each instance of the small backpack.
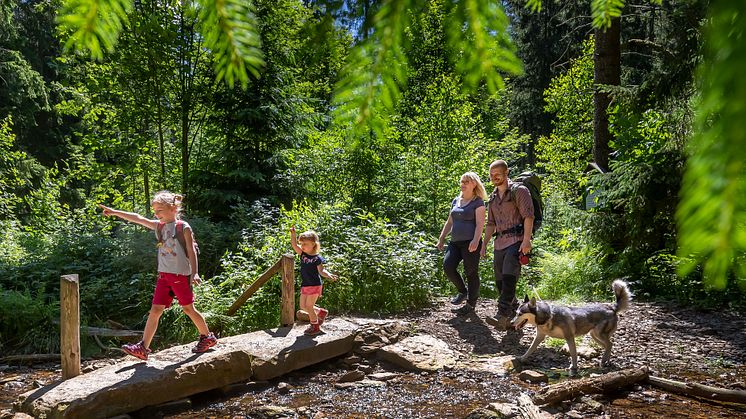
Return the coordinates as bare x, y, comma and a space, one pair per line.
179, 236
532, 182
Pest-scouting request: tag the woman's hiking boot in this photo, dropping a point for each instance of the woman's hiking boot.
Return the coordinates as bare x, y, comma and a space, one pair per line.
458, 298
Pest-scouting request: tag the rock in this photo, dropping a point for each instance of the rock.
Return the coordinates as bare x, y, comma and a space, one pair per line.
419, 353
482, 413
358, 384
504, 410
283, 387
383, 376
351, 376
176, 372
271, 412
531, 376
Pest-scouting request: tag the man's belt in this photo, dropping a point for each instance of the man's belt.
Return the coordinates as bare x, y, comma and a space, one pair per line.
516, 230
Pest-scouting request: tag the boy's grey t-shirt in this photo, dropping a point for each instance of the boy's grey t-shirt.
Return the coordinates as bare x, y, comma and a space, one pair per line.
171, 257
464, 219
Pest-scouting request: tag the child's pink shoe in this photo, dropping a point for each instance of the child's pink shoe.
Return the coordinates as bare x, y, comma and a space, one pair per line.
322, 315
313, 329
205, 342
138, 350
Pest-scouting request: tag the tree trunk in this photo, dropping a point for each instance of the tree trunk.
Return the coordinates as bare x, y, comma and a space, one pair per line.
607, 71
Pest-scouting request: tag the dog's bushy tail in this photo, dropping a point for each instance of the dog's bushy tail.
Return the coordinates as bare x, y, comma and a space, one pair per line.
623, 295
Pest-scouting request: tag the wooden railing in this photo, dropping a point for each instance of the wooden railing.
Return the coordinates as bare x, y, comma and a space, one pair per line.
286, 267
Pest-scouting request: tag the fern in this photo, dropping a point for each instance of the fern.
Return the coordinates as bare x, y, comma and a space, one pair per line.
712, 213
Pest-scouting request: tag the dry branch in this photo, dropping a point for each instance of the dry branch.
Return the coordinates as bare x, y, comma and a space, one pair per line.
606, 383
699, 390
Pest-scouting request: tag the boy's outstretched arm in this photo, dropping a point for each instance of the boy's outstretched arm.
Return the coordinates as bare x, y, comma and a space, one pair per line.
129, 216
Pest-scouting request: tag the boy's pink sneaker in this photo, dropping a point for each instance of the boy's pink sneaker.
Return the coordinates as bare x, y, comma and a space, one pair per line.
322, 315
205, 342
138, 350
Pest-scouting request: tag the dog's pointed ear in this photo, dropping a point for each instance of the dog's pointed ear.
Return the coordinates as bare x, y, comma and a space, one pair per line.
525, 299
532, 303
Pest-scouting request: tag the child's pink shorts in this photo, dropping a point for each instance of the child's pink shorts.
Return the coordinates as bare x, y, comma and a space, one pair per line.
172, 285
314, 290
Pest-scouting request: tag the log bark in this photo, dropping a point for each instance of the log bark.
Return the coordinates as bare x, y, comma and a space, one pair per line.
606, 383
527, 408
112, 333
241, 300
699, 390
30, 358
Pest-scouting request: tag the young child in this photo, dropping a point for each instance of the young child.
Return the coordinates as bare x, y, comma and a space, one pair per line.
177, 269
311, 270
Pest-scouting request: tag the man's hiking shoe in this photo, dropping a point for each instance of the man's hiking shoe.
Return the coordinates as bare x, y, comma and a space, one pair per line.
205, 342
313, 329
499, 322
138, 350
322, 315
463, 310
458, 299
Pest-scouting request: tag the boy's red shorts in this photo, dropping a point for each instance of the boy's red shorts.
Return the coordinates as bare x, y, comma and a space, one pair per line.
170, 285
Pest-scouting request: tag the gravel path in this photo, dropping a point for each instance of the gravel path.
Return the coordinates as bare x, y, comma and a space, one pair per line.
674, 342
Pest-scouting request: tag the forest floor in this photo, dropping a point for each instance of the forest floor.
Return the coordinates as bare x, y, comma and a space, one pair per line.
674, 342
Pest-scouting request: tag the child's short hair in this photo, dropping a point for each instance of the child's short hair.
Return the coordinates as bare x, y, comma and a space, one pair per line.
168, 198
312, 237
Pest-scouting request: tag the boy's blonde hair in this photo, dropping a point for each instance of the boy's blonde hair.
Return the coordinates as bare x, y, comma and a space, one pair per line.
168, 198
310, 236
479, 187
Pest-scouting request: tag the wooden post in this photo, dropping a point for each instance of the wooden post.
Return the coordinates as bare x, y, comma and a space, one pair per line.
70, 325
287, 313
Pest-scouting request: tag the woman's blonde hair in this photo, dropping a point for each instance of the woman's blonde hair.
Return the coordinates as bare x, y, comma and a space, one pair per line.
310, 236
168, 198
478, 186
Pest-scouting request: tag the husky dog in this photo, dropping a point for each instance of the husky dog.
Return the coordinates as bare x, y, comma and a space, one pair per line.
600, 319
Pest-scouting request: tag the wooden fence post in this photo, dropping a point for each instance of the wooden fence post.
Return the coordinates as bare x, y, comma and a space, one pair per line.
70, 325
287, 313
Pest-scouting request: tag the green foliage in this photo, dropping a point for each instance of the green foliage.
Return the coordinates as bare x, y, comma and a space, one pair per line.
712, 215
26, 321
376, 72
566, 152
383, 268
93, 25
230, 31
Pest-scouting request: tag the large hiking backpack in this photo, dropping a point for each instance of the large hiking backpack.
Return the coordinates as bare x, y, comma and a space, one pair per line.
532, 181
179, 236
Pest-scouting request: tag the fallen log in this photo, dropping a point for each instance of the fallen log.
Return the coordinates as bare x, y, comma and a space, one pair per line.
699, 390
606, 383
30, 358
101, 331
527, 408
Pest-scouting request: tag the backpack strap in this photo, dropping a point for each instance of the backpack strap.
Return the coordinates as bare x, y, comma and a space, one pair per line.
159, 231
180, 235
